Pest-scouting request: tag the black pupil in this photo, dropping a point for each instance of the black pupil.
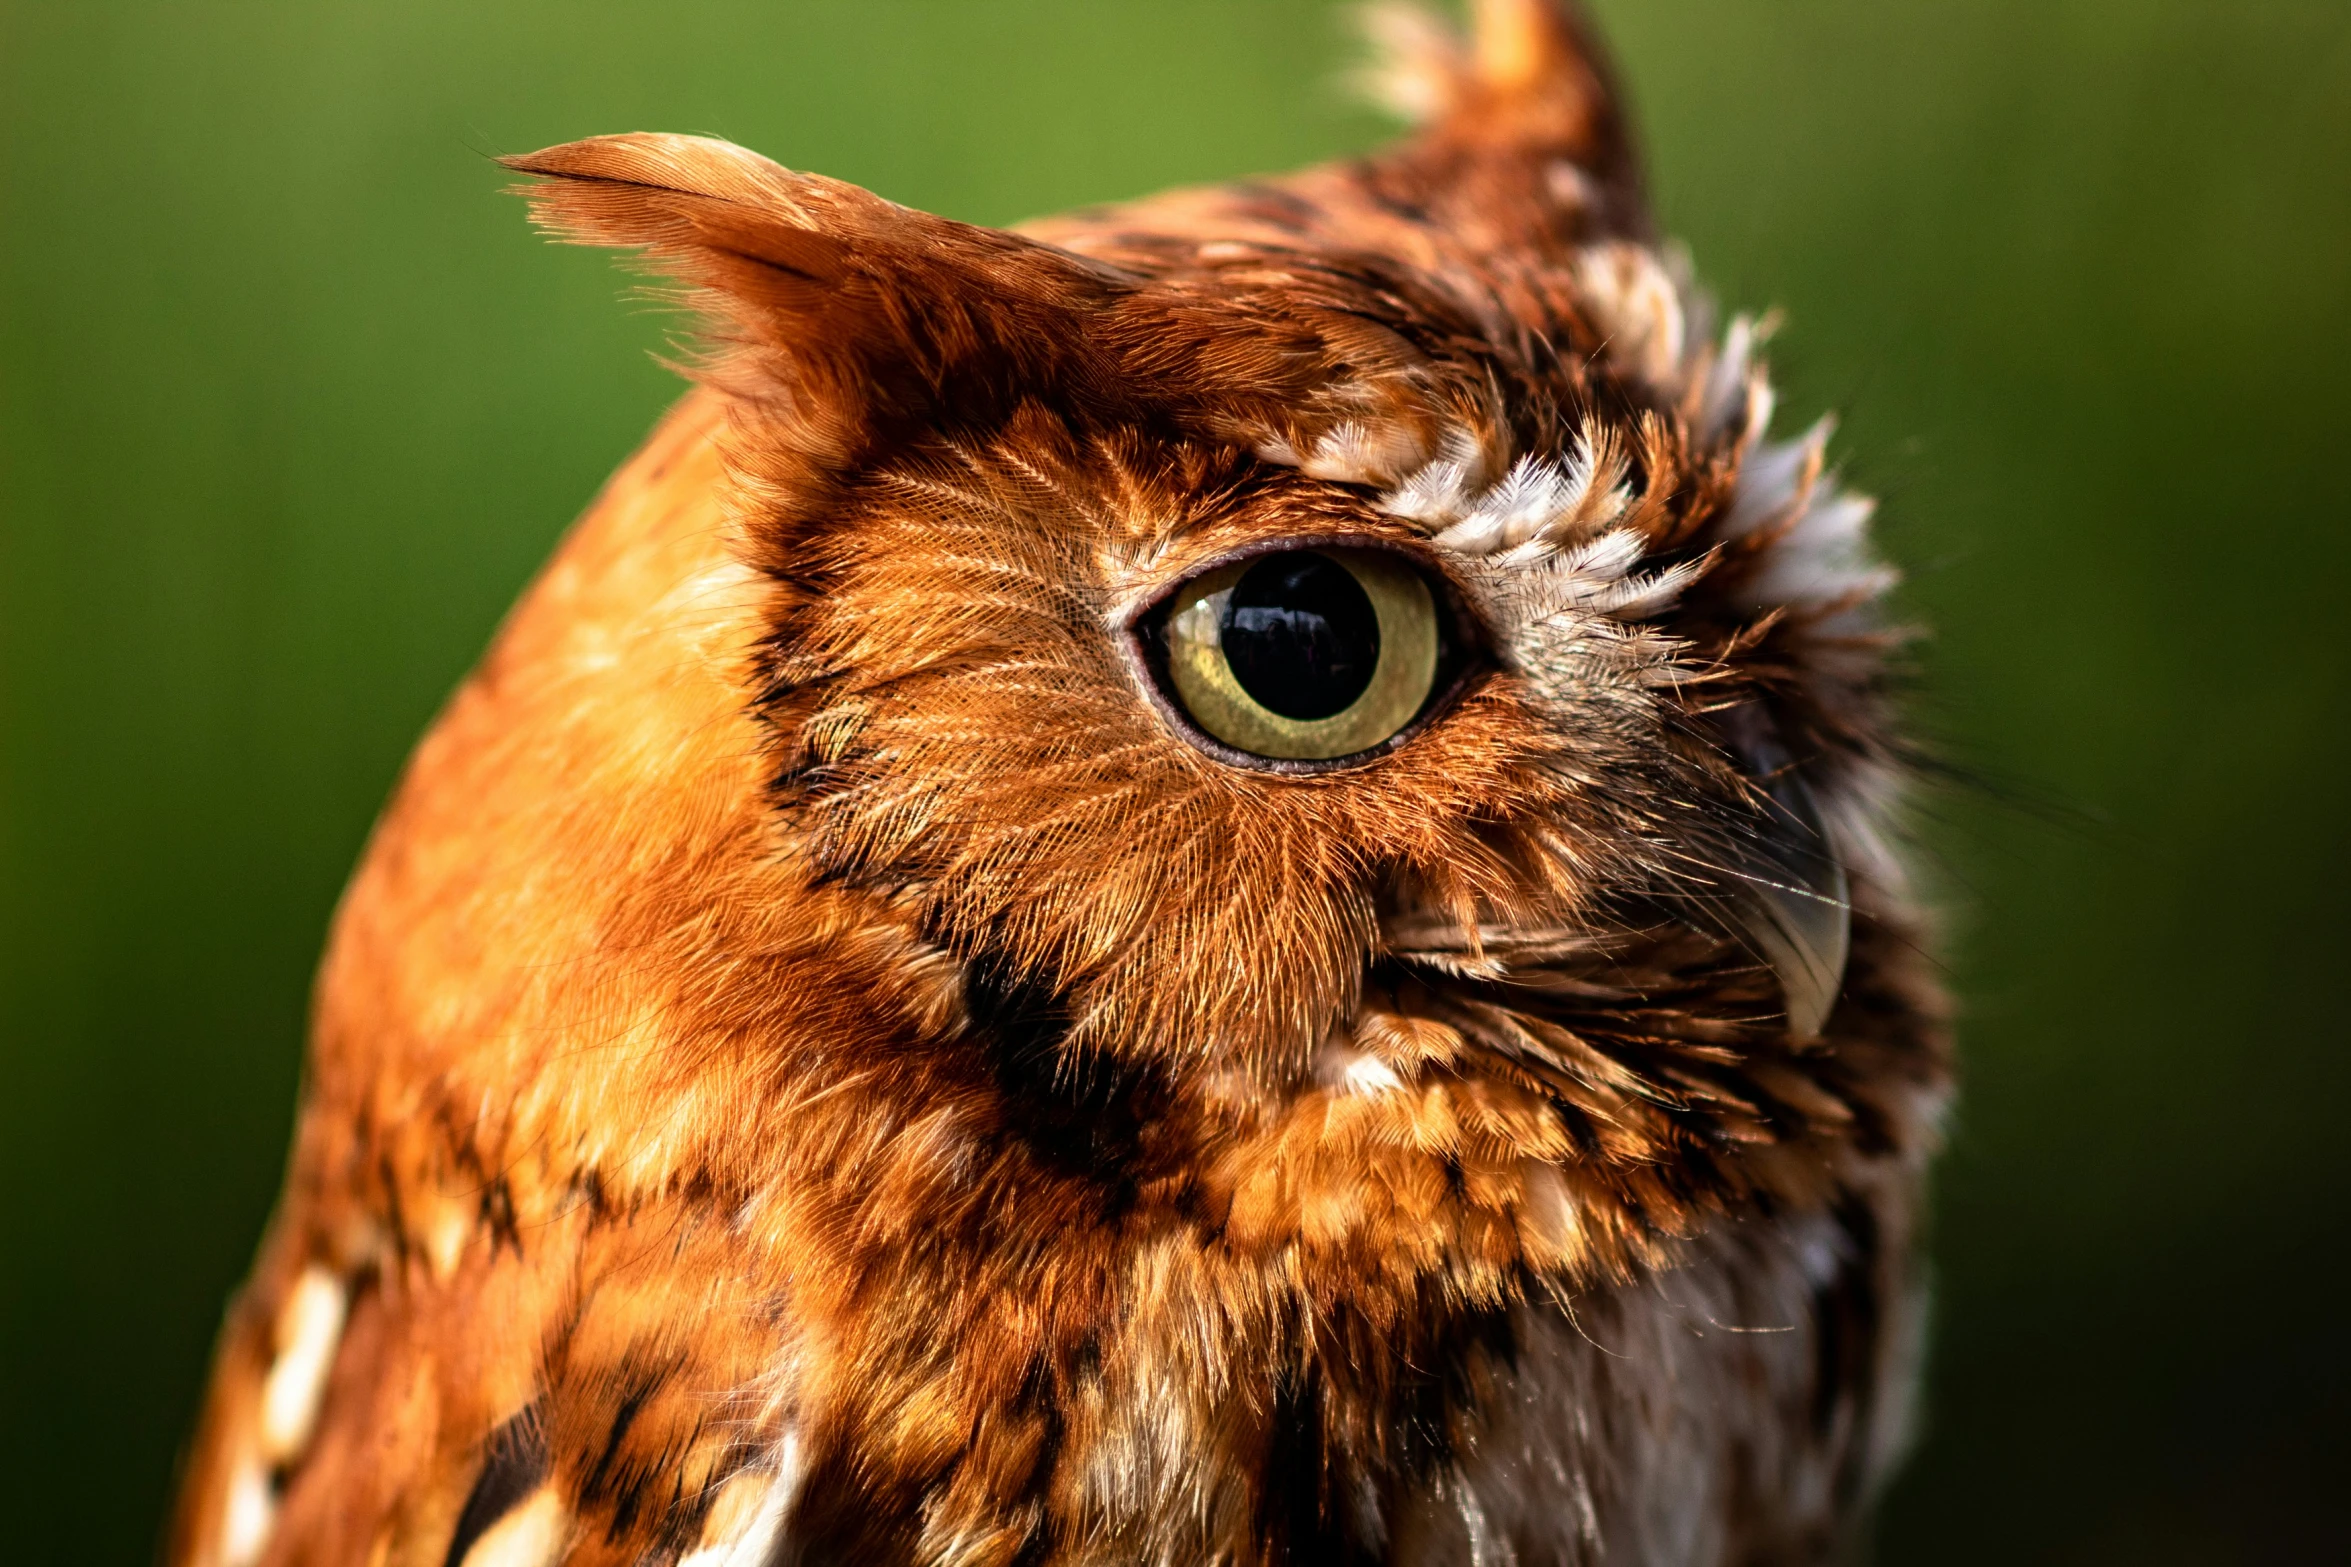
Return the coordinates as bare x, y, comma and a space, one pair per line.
1301, 636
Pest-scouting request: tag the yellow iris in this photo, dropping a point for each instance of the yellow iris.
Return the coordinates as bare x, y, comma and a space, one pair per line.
1400, 681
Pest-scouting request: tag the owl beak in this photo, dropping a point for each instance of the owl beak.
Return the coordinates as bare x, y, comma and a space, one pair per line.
1804, 933
1795, 910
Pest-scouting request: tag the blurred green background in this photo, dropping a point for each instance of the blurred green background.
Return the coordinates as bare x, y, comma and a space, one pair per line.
291, 403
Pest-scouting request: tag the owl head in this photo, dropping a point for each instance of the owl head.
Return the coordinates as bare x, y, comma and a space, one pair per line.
1207, 620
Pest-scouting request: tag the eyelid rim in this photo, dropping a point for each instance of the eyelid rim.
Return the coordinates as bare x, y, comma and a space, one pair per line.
1127, 632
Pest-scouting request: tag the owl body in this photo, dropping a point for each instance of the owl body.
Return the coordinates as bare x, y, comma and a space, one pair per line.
846, 1047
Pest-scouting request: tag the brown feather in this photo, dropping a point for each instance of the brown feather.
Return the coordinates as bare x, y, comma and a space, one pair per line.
815, 1057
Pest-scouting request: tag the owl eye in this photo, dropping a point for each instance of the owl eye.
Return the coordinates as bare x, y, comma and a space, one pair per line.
1308, 655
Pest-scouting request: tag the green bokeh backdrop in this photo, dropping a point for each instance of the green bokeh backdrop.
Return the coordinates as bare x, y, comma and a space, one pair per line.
290, 404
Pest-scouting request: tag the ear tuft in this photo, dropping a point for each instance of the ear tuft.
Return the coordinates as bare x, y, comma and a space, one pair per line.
821, 289
1417, 62
1537, 48
653, 189
739, 231
1531, 78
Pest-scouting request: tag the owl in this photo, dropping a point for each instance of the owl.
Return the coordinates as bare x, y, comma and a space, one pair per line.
1207, 884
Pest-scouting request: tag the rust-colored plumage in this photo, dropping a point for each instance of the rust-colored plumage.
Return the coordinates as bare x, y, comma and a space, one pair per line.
829, 1058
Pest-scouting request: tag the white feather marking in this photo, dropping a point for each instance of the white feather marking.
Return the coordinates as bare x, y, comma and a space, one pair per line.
1637, 305
1540, 551
533, 1535
1732, 388
1571, 186
1443, 490
249, 1515
1350, 1071
1538, 501
1548, 1223
447, 1227
737, 1540
309, 1328
1353, 452
1776, 477
1416, 62
1823, 559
